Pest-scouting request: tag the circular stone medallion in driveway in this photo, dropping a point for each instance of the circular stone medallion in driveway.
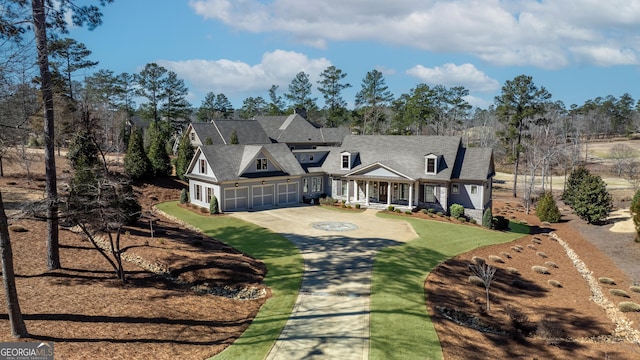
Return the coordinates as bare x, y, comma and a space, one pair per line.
334, 226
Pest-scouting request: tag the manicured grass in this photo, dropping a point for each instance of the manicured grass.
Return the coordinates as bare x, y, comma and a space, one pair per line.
400, 325
284, 276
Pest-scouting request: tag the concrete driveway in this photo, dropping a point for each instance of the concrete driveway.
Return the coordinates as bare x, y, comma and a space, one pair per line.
330, 319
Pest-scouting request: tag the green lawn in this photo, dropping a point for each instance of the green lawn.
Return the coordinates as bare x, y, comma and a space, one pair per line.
400, 325
284, 276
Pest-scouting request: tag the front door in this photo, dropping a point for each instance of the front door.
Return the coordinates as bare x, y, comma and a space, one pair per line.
383, 192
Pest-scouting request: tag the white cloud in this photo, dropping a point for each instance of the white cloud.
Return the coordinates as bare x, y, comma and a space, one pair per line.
236, 77
604, 55
450, 75
524, 33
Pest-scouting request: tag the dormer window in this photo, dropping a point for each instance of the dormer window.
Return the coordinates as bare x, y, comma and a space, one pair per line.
431, 164
261, 164
345, 162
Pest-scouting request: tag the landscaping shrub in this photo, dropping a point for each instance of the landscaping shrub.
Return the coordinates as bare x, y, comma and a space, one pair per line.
512, 271
531, 246
496, 258
635, 289
462, 219
439, 213
391, 208
540, 270
357, 206
635, 214
398, 211
214, 207
500, 223
619, 292
628, 306
18, 228
516, 248
505, 255
184, 196
477, 260
546, 209
431, 210
424, 211
487, 218
408, 212
327, 201
551, 264
473, 221
536, 240
606, 280
573, 184
456, 210
476, 280
542, 255
554, 283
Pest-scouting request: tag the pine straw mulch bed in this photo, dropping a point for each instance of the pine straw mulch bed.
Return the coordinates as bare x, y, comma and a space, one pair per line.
550, 322
90, 314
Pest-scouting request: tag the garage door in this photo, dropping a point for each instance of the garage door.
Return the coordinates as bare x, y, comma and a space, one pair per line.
287, 193
236, 199
262, 195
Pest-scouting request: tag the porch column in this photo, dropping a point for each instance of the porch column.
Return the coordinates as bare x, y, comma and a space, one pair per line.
366, 191
410, 194
348, 182
356, 190
389, 193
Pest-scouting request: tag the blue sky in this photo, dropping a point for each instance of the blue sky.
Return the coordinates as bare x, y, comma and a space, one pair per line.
576, 49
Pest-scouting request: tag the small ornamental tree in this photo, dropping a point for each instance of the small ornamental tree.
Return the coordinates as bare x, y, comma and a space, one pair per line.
592, 202
573, 184
547, 210
214, 208
487, 218
635, 213
185, 154
184, 196
485, 272
136, 162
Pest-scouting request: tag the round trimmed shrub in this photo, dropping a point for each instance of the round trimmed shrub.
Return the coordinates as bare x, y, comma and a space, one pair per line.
512, 271
619, 292
635, 289
554, 283
496, 258
628, 306
606, 280
540, 270
456, 210
476, 280
551, 264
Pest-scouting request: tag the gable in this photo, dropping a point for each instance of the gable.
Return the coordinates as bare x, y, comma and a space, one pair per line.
378, 170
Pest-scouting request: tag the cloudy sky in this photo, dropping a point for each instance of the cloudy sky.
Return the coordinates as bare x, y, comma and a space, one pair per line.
577, 49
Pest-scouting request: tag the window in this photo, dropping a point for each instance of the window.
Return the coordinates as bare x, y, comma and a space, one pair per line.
310, 158
474, 189
345, 162
403, 191
203, 166
343, 187
303, 158
316, 184
431, 166
197, 190
429, 193
261, 164
455, 188
305, 185
193, 136
209, 194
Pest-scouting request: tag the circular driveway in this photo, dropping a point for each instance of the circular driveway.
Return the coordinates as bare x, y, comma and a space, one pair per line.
331, 316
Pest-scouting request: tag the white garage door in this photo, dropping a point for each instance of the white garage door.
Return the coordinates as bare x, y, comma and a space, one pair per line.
262, 195
236, 199
287, 193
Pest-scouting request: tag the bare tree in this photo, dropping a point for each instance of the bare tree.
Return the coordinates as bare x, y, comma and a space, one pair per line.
622, 155
18, 327
485, 272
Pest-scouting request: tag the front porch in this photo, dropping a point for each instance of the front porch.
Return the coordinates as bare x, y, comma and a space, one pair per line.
380, 194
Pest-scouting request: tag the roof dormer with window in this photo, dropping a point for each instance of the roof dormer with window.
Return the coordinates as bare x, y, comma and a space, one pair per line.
346, 160
431, 164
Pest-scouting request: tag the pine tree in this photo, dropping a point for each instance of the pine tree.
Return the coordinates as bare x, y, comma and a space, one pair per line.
635, 213
233, 138
136, 162
573, 184
159, 158
547, 210
592, 202
184, 196
185, 154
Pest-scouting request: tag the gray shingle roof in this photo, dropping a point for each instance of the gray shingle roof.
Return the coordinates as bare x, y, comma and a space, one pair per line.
406, 154
219, 131
296, 129
228, 161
